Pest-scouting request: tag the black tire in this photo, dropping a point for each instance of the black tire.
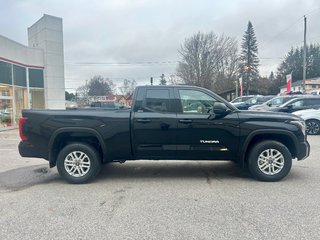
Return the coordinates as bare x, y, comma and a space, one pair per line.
313, 127
269, 161
78, 163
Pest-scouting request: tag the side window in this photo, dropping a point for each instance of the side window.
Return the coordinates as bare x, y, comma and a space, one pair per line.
157, 100
311, 102
276, 102
252, 101
137, 104
297, 103
193, 101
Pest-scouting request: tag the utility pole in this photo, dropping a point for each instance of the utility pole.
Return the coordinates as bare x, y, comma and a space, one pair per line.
304, 55
237, 93
86, 91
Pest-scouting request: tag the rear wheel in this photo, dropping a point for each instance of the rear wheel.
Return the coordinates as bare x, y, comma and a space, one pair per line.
313, 127
269, 161
78, 163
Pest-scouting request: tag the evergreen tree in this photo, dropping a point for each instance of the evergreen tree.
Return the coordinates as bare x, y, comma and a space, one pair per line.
163, 80
293, 63
249, 61
271, 76
69, 96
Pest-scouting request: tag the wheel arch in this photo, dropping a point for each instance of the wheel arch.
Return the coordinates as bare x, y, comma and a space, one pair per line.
63, 136
285, 137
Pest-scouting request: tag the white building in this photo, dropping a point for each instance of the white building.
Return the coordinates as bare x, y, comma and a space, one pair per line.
32, 76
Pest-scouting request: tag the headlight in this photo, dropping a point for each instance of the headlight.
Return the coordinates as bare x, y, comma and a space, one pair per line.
301, 124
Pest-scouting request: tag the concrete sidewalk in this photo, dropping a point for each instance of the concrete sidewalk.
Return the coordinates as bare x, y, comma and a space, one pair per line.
9, 153
9, 133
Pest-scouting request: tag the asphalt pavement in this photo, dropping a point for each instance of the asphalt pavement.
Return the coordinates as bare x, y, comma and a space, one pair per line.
157, 200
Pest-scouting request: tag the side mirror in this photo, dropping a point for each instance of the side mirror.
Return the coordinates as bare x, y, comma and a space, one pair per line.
220, 108
269, 104
290, 106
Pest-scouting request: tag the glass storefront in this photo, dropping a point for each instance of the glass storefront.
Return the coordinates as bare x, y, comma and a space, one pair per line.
21, 102
36, 98
6, 110
17, 94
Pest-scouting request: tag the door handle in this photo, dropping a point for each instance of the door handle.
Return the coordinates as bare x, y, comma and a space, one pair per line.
143, 120
185, 121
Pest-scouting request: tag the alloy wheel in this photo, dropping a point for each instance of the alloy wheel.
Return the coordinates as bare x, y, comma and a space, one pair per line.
270, 161
77, 164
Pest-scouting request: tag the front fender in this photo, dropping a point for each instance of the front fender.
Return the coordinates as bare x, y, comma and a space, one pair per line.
268, 134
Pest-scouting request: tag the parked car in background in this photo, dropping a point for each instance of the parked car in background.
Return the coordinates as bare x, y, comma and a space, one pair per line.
274, 102
312, 118
242, 98
317, 92
71, 104
296, 104
252, 101
107, 104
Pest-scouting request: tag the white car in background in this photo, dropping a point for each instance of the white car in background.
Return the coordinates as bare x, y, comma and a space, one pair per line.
312, 118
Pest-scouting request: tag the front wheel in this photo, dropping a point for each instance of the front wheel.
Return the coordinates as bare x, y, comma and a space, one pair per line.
78, 163
269, 161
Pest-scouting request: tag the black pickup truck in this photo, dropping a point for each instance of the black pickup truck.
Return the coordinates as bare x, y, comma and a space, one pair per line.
165, 122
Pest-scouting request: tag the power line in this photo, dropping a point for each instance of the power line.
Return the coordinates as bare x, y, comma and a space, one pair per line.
290, 26
312, 11
120, 63
283, 31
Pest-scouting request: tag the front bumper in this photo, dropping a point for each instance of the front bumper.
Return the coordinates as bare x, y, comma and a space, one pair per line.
303, 151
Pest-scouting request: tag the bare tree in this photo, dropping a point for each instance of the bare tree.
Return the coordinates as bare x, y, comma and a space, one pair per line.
82, 91
127, 87
174, 80
82, 95
207, 57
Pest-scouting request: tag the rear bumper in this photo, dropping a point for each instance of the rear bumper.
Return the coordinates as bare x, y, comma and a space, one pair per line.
26, 149
303, 151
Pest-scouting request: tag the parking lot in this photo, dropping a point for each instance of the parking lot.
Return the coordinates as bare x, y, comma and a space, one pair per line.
157, 200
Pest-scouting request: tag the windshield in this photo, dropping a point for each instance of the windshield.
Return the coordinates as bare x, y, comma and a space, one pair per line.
292, 101
278, 101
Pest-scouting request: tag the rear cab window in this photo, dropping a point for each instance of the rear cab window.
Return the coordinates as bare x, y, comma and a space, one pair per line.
154, 100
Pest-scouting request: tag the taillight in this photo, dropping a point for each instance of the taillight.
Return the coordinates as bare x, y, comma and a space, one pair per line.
22, 120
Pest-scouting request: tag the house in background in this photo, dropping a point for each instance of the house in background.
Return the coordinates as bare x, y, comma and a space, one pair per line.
312, 84
123, 100
119, 98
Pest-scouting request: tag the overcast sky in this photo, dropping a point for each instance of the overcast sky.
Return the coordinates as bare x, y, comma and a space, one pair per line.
145, 34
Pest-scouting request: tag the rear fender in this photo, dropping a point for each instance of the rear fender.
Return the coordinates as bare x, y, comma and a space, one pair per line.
55, 135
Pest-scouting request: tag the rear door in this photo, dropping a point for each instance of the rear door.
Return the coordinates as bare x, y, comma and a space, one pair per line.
154, 123
198, 136
312, 103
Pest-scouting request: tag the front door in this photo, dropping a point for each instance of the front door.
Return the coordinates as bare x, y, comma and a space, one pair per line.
200, 135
